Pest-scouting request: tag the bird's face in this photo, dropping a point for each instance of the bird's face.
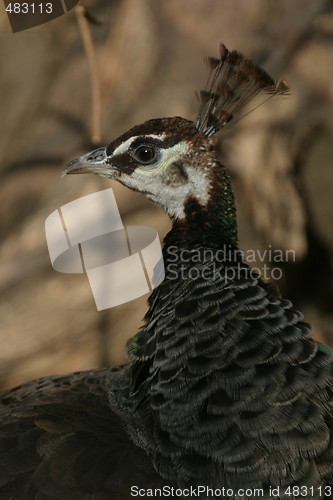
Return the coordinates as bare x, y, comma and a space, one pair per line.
162, 159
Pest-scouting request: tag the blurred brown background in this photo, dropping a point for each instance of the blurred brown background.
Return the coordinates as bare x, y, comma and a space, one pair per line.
149, 54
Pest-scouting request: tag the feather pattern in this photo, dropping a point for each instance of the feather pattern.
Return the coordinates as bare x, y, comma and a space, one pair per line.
60, 439
240, 389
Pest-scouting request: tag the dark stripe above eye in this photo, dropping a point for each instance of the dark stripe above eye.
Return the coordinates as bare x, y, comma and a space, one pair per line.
152, 141
172, 127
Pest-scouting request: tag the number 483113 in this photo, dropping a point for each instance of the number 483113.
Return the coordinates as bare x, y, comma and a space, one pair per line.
29, 8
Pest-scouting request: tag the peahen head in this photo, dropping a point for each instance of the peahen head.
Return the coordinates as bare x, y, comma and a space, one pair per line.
173, 161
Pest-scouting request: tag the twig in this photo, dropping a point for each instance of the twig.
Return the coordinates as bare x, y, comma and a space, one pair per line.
94, 74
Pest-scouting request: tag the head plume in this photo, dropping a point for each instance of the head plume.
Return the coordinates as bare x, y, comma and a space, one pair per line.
233, 81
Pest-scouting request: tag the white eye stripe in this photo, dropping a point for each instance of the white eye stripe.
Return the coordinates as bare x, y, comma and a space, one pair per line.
126, 145
123, 147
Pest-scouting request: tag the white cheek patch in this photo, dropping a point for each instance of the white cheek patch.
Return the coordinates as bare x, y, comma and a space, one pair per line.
168, 196
149, 180
169, 156
198, 186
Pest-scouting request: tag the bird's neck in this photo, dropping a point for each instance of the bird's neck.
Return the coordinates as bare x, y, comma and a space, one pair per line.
179, 351
206, 235
211, 224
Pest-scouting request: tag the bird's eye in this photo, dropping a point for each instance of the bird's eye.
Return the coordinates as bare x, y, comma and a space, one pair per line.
144, 154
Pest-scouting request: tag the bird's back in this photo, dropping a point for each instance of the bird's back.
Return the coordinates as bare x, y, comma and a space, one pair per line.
61, 439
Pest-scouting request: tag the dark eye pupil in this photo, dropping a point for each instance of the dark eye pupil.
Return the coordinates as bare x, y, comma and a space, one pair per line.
144, 154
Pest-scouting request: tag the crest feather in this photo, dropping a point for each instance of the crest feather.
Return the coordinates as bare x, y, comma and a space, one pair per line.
233, 81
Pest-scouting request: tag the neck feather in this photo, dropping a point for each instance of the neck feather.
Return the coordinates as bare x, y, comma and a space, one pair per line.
211, 225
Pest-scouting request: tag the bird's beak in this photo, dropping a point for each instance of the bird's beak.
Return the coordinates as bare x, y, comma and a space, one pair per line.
94, 162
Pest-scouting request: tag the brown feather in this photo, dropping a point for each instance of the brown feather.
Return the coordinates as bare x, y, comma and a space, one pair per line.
233, 81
